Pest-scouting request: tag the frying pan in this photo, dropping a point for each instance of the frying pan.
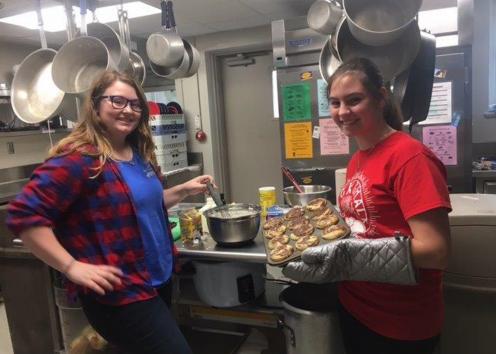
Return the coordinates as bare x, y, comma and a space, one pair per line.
418, 91
391, 59
167, 48
328, 62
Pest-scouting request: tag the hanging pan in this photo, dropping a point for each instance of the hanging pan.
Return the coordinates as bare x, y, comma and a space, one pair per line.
166, 48
80, 61
328, 63
391, 59
185, 67
136, 66
379, 22
323, 16
35, 97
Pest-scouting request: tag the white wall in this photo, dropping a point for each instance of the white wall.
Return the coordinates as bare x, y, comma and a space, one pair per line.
194, 93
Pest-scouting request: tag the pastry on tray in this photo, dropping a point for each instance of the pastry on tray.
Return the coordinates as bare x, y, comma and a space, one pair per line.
302, 230
272, 223
295, 212
333, 232
281, 252
306, 241
316, 204
276, 231
296, 222
329, 220
277, 241
321, 214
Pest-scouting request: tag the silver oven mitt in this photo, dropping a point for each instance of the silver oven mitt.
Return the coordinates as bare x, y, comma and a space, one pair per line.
383, 260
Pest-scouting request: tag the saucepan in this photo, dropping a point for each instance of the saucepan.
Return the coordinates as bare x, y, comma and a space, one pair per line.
328, 62
184, 69
35, 97
391, 59
379, 22
80, 61
165, 48
323, 16
117, 48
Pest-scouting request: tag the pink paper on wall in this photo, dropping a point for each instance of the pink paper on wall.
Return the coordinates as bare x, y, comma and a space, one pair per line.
441, 139
332, 140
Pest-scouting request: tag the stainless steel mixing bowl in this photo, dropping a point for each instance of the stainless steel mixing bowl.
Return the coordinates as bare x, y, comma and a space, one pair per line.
233, 224
310, 192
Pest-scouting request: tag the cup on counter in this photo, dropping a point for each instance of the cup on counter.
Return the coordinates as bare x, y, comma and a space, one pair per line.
267, 198
190, 223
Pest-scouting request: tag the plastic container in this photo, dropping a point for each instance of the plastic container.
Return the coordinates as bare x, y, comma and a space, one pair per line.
267, 198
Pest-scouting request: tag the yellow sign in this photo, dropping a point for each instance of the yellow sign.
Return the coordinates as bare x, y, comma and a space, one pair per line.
298, 140
307, 75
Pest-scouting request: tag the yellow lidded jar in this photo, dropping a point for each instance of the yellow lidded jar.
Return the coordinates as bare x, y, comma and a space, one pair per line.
267, 198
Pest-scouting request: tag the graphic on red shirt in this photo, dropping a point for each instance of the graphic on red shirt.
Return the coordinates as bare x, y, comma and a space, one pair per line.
356, 202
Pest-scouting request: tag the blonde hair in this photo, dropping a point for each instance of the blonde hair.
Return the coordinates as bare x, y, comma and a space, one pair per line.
89, 136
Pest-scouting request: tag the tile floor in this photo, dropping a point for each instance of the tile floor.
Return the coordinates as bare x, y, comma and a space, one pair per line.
254, 344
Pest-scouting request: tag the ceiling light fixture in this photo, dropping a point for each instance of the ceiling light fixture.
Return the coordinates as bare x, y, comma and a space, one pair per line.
54, 19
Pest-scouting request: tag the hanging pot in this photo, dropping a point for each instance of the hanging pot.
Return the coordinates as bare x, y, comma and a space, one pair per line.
167, 48
35, 97
79, 62
379, 22
323, 16
118, 50
185, 67
194, 61
391, 59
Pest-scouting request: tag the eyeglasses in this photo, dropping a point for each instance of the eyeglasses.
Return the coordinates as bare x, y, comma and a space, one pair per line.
119, 102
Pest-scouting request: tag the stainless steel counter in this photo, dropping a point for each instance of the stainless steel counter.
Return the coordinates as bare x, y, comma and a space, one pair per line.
209, 250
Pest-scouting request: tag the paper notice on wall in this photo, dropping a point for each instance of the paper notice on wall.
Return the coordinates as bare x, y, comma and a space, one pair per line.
298, 140
332, 140
297, 102
441, 140
322, 99
440, 108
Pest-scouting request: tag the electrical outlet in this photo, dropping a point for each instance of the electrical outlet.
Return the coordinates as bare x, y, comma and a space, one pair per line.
10, 147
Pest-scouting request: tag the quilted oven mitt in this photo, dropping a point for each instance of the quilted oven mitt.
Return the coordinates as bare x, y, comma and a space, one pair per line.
383, 260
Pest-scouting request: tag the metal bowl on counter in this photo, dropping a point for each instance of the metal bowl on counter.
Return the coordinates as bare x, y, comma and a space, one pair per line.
233, 224
310, 192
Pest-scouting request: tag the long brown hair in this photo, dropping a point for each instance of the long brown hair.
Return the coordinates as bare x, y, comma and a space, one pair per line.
91, 132
372, 80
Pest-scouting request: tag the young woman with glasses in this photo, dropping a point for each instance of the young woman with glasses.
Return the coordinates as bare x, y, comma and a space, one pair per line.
96, 211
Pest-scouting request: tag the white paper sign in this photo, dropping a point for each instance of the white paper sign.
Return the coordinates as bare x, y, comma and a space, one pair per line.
440, 108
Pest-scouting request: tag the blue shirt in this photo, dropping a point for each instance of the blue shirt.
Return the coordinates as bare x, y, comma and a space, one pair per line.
147, 196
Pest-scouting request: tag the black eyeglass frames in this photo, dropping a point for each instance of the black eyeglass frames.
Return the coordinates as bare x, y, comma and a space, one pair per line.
119, 102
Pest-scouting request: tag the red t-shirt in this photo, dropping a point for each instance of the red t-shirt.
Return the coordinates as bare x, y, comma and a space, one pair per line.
385, 186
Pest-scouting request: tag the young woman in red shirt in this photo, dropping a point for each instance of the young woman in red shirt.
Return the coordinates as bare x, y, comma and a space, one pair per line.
396, 202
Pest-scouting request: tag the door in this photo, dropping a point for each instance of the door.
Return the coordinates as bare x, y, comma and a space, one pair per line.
251, 132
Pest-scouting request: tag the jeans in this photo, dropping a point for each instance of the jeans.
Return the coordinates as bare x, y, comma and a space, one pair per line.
358, 339
142, 327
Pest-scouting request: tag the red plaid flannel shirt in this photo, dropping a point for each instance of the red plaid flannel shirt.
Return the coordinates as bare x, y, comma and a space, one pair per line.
93, 218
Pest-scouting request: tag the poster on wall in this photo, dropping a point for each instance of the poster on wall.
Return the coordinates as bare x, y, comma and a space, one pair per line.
332, 139
441, 139
322, 99
297, 102
440, 108
298, 140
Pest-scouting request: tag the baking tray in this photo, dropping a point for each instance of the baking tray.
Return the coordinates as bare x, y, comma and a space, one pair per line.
317, 232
